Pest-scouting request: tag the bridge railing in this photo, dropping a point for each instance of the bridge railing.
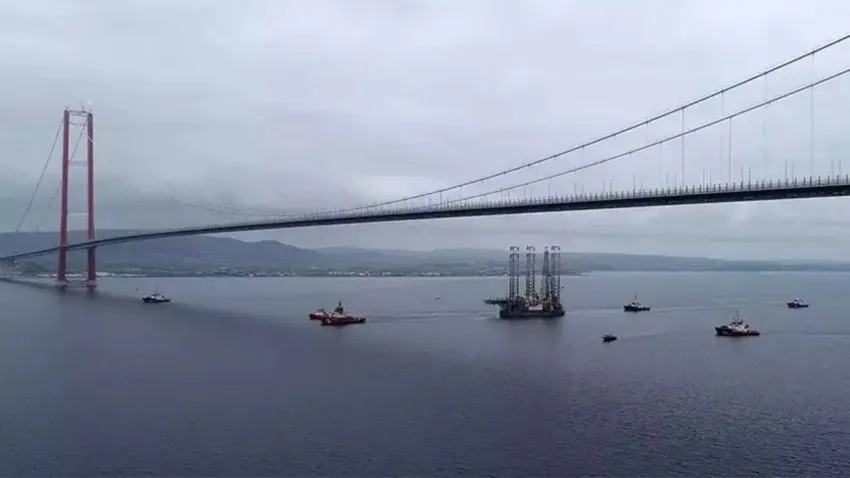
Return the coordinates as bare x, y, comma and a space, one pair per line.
459, 205
676, 191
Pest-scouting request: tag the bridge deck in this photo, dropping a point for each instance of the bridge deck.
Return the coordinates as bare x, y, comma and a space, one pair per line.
738, 192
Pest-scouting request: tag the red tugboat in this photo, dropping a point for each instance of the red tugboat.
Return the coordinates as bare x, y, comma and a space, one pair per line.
336, 318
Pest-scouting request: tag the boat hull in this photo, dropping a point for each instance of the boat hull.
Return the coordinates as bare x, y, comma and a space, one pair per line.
632, 308
608, 339
531, 314
518, 309
342, 321
792, 305
724, 331
148, 300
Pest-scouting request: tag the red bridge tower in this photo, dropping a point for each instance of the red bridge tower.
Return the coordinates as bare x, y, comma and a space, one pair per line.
61, 273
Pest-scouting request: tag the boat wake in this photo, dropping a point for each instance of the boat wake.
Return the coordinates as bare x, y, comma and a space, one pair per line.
429, 316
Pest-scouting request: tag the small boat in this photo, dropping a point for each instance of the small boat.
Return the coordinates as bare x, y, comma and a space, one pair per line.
609, 338
156, 298
635, 306
797, 304
337, 318
736, 328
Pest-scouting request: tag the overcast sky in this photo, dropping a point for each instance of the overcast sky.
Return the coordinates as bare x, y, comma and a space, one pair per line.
208, 107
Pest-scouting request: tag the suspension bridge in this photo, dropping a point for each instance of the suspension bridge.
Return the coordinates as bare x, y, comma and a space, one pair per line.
709, 154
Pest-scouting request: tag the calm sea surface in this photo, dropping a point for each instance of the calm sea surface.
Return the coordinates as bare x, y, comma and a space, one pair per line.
233, 380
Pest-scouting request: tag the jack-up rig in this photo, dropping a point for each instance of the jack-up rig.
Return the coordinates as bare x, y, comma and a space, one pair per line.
546, 304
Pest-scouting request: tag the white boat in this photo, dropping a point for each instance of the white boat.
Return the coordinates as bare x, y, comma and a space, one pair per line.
156, 298
797, 304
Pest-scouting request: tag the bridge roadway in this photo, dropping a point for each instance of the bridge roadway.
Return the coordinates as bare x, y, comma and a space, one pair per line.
736, 192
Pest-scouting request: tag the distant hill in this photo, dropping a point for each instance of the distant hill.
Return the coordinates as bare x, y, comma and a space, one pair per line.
214, 254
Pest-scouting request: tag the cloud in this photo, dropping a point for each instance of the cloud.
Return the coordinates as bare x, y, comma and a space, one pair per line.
215, 111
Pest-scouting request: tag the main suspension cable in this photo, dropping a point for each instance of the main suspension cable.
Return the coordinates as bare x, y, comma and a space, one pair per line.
701, 127
40, 177
616, 133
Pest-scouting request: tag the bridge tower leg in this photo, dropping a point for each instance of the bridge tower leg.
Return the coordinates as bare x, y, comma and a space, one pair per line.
61, 270
91, 275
